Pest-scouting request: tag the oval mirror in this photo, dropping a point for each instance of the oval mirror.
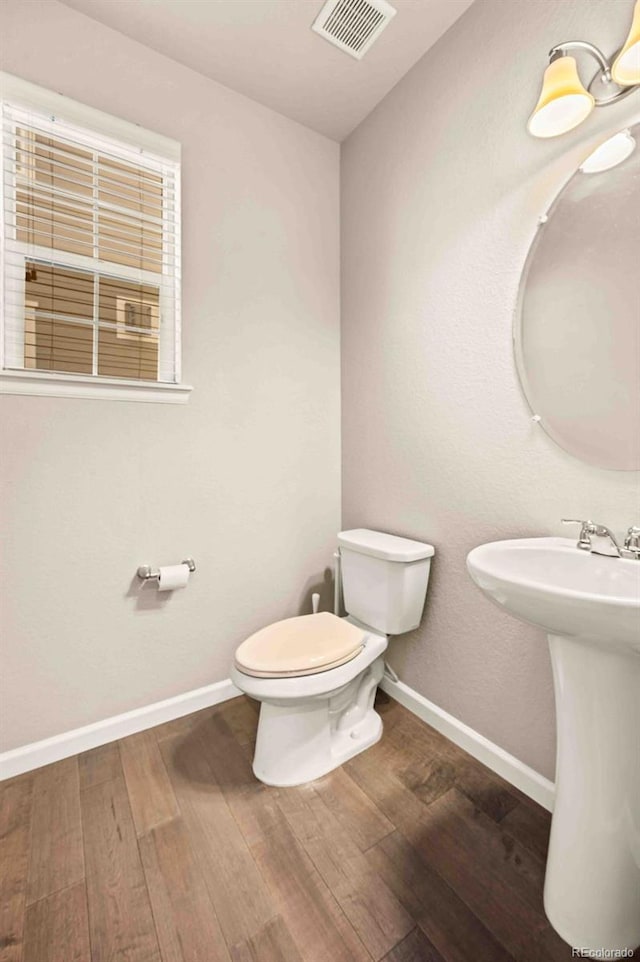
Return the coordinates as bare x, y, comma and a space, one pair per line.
577, 328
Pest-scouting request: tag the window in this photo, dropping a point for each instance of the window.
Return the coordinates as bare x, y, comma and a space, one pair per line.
90, 252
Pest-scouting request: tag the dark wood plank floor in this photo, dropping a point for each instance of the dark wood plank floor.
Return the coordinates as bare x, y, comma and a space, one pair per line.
164, 848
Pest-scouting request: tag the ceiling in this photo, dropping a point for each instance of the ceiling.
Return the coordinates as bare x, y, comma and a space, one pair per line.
266, 50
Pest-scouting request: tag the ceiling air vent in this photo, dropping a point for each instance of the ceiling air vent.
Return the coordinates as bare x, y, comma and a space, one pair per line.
353, 25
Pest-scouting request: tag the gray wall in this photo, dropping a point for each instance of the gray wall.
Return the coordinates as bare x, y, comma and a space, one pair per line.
245, 478
441, 190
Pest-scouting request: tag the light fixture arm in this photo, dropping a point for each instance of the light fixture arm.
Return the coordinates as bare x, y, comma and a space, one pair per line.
603, 88
561, 48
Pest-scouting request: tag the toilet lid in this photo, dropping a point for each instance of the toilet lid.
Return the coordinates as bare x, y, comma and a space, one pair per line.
300, 646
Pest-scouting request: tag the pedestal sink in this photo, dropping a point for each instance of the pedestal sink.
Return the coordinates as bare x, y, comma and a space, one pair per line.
589, 606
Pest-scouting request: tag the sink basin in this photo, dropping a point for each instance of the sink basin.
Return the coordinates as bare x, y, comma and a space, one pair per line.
551, 583
589, 606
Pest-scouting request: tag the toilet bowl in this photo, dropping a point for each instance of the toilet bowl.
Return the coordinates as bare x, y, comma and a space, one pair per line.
314, 721
316, 675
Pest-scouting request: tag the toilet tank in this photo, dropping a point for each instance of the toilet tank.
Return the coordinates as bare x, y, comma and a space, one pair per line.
384, 579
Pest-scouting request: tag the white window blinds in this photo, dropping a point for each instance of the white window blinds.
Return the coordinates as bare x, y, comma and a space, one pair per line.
91, 252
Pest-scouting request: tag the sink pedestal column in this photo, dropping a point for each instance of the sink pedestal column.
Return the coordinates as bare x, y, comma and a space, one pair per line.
592, 885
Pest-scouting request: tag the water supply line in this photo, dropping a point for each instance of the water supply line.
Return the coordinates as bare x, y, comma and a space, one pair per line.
390, 673
337, 583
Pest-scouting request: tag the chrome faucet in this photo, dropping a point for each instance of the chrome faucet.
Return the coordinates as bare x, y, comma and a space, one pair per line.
599, 539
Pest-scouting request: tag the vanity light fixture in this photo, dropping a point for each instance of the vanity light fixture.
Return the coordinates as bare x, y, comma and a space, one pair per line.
565, 102
610, 153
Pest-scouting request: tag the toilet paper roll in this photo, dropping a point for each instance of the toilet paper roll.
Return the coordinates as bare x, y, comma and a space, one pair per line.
173, 576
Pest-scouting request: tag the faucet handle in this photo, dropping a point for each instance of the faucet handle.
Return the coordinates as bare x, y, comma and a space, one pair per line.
586, 528
632, 541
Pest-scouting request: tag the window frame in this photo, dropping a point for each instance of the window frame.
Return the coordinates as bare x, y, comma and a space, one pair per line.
93, 124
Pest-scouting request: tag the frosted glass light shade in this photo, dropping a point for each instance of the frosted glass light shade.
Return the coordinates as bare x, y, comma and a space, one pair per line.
610, 153
564, 103
626, 66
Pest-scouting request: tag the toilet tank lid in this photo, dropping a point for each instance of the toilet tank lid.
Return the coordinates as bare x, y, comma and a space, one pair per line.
389, 547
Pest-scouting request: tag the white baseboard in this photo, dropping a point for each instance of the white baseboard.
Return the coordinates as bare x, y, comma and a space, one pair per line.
36, 754
536, 786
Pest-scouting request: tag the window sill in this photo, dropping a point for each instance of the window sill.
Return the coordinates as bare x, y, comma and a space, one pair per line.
72, 385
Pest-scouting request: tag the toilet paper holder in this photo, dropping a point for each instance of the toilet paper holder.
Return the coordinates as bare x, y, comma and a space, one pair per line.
147, 573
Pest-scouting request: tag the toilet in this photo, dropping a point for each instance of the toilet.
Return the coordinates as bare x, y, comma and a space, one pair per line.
316, 675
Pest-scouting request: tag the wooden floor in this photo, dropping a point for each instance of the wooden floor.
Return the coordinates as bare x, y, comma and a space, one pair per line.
164, 848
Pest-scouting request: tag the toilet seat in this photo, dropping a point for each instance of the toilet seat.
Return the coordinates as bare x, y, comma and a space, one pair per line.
305, 645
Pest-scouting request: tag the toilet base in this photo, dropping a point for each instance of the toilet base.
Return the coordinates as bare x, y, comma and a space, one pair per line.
301, 741
343, 748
